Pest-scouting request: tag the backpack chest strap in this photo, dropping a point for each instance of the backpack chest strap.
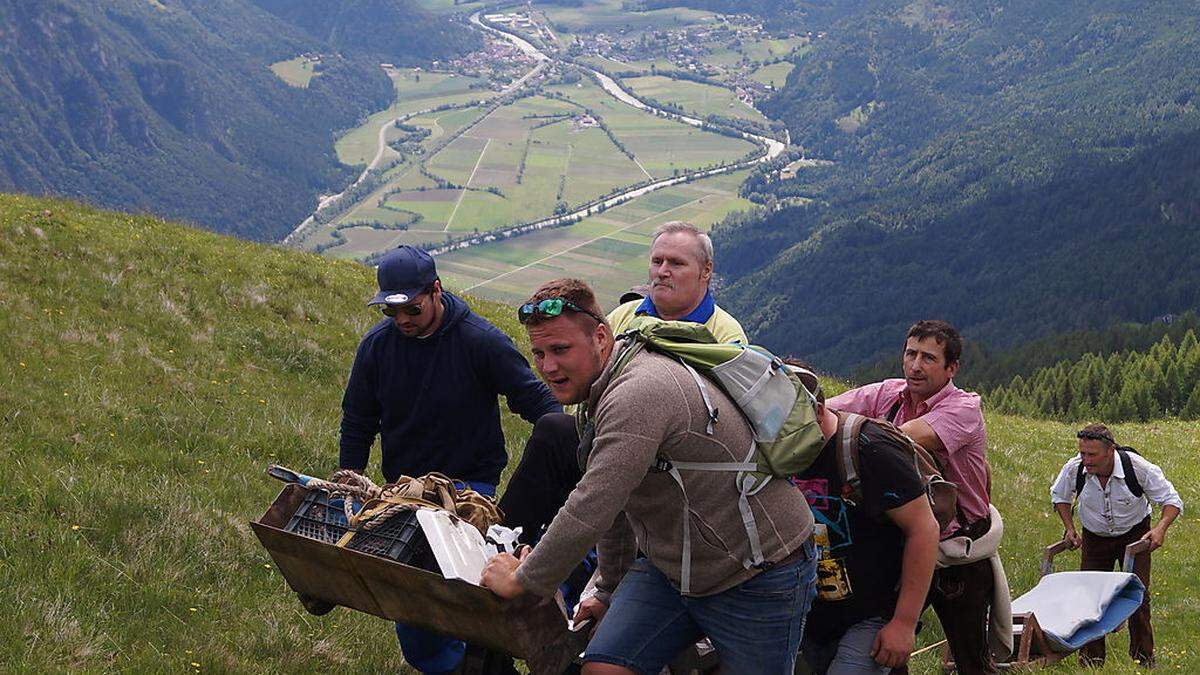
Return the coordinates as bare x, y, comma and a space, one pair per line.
746, 487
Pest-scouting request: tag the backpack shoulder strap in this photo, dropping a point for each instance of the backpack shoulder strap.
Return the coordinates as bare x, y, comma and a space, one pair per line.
849, 428
895, 410
1131, 478
1080, 479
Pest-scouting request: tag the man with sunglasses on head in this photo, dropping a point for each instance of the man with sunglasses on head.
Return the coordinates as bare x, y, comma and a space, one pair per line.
426, 380
680, 271
697, 577
1114, 486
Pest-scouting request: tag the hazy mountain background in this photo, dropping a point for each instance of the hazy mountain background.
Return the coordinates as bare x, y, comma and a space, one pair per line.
1018, 168
168, 106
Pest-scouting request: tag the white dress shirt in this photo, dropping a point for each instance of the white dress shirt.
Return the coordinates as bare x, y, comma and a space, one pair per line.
1112, 510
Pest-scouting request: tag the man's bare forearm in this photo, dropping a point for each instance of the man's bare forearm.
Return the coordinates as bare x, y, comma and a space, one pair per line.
1064, 513
920, 529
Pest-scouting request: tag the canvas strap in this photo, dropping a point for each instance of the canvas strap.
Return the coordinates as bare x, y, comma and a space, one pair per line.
712, 411
746, 484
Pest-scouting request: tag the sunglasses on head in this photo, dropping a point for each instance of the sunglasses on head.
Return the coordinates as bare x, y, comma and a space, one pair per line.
550, 307
1094, 436
410, 309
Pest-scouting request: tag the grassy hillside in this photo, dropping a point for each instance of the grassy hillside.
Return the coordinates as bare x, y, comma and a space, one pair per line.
153, 370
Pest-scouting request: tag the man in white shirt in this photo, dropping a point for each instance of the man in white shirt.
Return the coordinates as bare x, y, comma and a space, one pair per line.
1114, 514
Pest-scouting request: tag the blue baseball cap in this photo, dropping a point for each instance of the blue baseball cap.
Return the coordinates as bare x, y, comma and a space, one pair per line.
403, 274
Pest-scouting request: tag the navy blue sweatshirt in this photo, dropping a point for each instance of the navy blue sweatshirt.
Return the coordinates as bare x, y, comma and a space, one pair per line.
433, 400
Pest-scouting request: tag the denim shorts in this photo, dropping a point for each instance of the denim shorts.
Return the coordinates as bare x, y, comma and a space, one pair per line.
755, 627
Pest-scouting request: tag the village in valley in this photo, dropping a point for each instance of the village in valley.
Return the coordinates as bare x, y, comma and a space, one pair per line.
579, 129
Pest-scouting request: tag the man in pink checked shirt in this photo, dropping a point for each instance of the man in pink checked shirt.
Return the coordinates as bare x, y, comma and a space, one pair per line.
948, 422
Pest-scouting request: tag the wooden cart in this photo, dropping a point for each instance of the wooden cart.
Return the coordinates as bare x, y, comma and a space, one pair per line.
529, 628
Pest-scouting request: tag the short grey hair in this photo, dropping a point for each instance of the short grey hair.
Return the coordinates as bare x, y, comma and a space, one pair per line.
706, 246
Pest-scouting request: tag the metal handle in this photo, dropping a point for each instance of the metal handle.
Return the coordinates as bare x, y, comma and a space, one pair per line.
286, 475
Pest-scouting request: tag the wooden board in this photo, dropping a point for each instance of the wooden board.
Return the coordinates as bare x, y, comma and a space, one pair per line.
529, 628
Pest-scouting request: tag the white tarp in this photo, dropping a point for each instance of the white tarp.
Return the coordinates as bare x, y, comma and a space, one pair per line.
1074, 608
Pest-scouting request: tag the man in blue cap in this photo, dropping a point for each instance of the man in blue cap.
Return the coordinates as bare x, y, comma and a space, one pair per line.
426, 380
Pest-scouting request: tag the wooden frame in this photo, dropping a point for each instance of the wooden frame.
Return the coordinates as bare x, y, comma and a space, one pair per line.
1031, 649
529, 628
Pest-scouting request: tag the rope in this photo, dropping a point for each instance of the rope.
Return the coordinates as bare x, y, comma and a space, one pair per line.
926, 648
433, 490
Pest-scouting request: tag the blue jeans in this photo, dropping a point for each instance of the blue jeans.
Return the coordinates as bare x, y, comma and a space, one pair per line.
431, 652
755, 627
850, 655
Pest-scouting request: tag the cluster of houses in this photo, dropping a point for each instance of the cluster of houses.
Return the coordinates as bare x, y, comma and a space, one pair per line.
498, 62
687, 49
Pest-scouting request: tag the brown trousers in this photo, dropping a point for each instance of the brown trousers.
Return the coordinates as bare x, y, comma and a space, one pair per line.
1101, 554
962, 598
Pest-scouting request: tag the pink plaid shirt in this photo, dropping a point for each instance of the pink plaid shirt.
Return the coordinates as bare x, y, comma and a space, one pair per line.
956, 416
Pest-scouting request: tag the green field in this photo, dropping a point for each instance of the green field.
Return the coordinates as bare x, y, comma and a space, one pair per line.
768, 49
414, 91
138, 424
448, 6
695, 98
610, 16
775, 74
662, 146
607, 249
297, 72
580, 162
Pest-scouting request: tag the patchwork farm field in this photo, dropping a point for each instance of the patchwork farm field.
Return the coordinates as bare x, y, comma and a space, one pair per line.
694, 97
663, 147
608, 249
517, 164
414, 91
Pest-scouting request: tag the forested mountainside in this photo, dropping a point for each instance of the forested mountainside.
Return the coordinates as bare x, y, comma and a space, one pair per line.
398, 30
168, 106
985, 369
1018, 168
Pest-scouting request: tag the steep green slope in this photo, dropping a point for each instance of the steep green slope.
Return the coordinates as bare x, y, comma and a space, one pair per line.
153, 370
1019, 168
169, 107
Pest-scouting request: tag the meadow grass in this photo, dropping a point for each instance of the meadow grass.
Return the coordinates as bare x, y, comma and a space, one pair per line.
696, 98
297, 72
450, 6
154, 370
775, 74
612, 16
